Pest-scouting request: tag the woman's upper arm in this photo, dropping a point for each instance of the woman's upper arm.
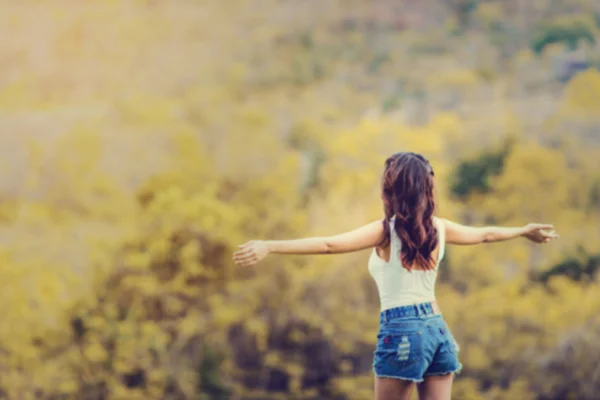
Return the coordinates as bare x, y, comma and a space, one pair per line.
366, 236
462, 234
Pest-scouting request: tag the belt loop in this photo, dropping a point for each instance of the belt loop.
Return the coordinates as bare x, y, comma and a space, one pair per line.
385, 317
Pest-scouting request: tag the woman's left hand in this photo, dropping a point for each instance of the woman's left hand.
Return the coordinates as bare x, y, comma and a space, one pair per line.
540, 233
250, 253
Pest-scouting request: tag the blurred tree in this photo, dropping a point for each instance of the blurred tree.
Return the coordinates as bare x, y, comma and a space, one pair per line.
569, 31
474, 176
210, 386
580, 269
594, 199
462, 10
568, 372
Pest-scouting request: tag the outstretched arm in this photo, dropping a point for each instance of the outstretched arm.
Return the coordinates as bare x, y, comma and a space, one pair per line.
369, 235
465, 235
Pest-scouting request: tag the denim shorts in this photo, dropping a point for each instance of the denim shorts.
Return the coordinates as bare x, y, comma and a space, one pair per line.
413, 343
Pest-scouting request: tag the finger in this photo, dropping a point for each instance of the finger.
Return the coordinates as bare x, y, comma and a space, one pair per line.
244, 252
243, 258
248, 253
247, 244
238, 260
238, 253
237, 257
551, 235
242, 262
544, 226
246, 261
252, 258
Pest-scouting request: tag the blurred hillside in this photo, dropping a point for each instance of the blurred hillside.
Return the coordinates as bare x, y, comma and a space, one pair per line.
142, 141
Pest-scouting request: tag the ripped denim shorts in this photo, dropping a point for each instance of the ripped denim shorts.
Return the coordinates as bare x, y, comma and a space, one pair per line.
413, 343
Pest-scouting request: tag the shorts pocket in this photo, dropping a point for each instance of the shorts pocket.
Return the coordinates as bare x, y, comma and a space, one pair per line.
404, 349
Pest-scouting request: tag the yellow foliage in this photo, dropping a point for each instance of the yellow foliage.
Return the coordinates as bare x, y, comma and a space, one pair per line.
582, 95
139, 152
455, 79
489, 13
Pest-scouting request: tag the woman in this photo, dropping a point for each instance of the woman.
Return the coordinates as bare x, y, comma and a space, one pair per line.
414, 344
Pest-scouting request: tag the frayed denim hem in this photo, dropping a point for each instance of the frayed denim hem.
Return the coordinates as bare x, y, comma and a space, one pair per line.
415, 380
453, 372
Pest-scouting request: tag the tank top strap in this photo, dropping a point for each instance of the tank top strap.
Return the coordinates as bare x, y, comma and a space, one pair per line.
394, 240
441, 228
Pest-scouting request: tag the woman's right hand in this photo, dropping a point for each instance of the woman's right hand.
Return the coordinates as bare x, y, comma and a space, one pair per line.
540, 233
250, 253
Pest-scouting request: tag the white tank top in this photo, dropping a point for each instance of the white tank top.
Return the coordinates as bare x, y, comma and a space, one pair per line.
398, 287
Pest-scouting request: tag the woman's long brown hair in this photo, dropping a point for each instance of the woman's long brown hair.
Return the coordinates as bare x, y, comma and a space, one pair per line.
407, 193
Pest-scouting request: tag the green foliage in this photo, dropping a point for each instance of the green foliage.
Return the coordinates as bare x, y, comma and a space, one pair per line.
473, 176
578, 269
209, 383
466, 6
567, 31
594, 197
377, 62
463, 10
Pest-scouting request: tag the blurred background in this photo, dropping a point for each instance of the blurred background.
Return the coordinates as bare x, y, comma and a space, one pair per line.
142, 141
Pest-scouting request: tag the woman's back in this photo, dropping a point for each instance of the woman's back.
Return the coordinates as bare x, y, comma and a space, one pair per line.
398, 286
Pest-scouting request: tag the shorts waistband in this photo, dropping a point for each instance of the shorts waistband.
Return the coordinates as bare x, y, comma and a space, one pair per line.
415, 310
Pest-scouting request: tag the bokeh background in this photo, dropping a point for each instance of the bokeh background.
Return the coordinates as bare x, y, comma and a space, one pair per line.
142, 141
